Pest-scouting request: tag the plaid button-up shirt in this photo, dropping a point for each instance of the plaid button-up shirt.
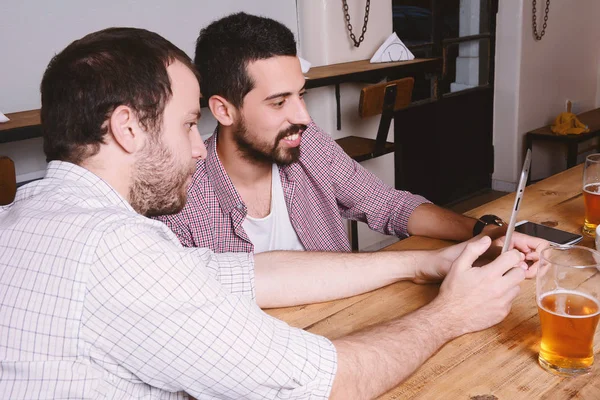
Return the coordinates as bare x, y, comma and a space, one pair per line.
322, 189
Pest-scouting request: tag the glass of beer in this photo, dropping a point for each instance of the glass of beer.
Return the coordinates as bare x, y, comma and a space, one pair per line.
568, 300
591, 193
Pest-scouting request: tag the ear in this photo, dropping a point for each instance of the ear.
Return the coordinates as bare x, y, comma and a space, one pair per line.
222, 110
126, 130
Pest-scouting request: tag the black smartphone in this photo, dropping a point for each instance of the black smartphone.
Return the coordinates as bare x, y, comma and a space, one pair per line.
553, 235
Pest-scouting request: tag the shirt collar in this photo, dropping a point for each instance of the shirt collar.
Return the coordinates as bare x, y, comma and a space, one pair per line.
227, 196
86, 180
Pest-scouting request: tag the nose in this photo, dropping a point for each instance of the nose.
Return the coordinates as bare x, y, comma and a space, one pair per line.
198, 147
300, 114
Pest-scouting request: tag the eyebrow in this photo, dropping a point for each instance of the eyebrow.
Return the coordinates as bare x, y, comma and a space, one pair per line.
283, 94
195, 113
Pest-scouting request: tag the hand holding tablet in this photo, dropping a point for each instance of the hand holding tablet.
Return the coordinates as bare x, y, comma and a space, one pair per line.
518, 198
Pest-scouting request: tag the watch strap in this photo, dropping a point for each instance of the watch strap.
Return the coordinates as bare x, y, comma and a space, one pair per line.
485, 220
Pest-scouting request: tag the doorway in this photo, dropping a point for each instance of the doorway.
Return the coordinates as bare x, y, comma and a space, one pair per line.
444, 146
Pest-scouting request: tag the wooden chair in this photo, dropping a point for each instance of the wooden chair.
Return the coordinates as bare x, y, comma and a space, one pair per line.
382, 98
8, 181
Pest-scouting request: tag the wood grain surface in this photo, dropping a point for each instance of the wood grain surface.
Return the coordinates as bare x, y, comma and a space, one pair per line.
352, 67
497, 363
21, 119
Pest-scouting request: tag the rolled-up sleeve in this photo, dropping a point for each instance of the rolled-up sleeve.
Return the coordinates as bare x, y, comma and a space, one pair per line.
234, 271
159, 312
362, 196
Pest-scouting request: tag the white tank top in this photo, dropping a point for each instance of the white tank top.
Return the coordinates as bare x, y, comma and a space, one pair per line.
275, 231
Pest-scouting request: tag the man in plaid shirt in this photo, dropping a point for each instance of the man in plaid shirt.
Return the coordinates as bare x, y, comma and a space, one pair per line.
273, 180
100, 302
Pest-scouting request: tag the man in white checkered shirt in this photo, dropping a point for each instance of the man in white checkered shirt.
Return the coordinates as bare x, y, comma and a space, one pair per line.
99, 301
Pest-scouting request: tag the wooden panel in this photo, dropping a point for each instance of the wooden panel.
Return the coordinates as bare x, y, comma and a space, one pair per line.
21, 119
372, 96
363, 71
353, 67
22, 125
8, 181
444, 149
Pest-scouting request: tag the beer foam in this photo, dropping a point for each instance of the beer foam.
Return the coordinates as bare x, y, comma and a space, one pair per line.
561, 303
593, 188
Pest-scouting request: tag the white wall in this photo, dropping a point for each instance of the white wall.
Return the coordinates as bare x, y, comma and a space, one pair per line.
534, 79
324, 39
32, 31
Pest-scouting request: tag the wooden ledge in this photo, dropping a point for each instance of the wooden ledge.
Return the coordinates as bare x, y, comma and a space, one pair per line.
21, 119
590, 118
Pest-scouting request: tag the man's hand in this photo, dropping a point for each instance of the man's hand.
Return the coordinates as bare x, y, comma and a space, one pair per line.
476, 298
440, 263
373, 361
529, 245
437, 264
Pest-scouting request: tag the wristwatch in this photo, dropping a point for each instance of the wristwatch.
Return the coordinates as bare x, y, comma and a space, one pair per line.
487, 220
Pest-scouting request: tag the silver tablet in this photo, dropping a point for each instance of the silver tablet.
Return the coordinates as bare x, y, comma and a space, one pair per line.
518, 199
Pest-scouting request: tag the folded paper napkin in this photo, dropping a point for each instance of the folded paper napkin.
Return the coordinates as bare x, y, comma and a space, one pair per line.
567, 123
3, 118
392, 50
304, 65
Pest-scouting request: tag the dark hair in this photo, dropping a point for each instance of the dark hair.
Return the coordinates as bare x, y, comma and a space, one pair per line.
226, 47
92, 76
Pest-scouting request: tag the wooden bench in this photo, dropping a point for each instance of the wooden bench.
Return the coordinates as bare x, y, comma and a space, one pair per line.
590, 118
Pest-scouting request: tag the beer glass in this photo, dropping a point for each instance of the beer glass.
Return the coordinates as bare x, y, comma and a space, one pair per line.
591, 193
568, 300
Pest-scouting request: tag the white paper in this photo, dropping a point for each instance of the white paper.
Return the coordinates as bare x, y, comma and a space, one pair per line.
3, 118
392, 50
304, 65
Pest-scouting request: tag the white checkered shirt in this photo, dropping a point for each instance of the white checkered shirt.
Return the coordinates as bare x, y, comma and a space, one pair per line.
97, 301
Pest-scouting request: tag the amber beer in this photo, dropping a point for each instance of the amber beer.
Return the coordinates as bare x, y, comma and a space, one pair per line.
591, 198
568, 321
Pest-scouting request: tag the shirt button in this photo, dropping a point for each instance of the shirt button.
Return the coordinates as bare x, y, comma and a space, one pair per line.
240, 206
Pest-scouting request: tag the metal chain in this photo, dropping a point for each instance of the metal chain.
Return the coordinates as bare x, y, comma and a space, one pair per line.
543, 32
349, 25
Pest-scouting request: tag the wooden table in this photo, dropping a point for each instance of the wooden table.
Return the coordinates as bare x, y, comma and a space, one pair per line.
500, 362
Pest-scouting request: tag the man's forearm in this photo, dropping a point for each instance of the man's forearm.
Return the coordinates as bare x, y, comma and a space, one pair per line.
437, 222
285, 278
374, 361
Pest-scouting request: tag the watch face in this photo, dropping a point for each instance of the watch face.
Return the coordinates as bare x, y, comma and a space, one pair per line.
492, 219
498, 222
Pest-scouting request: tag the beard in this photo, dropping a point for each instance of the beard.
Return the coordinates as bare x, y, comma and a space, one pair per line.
264, 153
159, 184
